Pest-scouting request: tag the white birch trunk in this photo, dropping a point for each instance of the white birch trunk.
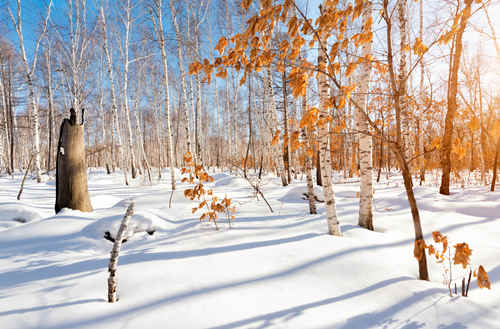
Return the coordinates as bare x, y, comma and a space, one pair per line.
114, 106
161, 38
29, 80
139, 138
308, 164
324, 147
4, 137
421, 159
403, 101
184, 103
125, 92
51, 108
3, 130
272, 114
115, 254
365, 139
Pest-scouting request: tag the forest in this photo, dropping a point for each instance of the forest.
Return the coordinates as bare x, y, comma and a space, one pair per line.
272, 163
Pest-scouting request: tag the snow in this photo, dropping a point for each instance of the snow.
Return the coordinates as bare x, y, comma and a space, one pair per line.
12, 214
271, 270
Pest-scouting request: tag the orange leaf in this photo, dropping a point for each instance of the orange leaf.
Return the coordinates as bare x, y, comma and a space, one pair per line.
482, 278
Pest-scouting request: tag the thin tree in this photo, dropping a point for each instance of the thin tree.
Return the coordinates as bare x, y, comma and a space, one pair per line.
29, 71
114, 105
157, 18
365, 139
456, 54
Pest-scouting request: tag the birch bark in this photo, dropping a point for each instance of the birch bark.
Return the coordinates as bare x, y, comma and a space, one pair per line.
161, 38
29, 71
126, 107
114, 105
182, 71
273, 121
308, 163
365, 139
115, 254
324, 147
402, 78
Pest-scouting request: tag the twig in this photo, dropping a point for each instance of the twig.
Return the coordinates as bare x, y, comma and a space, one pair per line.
24, 178
170, 201
468, 284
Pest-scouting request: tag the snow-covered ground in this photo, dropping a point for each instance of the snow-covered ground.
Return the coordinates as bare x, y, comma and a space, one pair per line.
271, 270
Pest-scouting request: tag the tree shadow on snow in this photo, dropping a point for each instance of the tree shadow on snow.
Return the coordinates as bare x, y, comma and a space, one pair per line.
268, 278
16, 277
366, 320
53, 306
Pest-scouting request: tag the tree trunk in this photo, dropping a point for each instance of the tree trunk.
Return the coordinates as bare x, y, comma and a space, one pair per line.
50, 105
452, 102
324, 147
417, 226
495, 166
113, 295
29, 72
126, 107
161, 38
421, 150
420, 128
285, 122
114, 104
365, 139
71, 170
380, 160
273, 119
182, 71
308, 164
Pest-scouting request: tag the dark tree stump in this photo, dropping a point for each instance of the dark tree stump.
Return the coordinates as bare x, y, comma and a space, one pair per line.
71, 171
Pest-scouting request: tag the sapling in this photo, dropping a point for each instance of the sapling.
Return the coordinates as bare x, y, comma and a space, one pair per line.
461, 257
115, 253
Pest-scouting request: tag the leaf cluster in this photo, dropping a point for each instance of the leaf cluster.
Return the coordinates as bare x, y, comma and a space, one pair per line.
462, 254
209, 204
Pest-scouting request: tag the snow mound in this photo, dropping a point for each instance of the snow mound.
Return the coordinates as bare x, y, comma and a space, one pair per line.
299, 195
141, 221
231, 181
12, 214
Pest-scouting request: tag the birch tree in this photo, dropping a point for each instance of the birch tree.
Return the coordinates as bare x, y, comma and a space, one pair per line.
404, 131
50, 103
180, 57
114, 104
365, 138
157, 18
324, 145
308, 161
127, 21
29, 70
276, 144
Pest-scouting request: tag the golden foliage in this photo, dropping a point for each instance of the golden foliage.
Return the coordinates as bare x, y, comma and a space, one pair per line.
440, 238
483, 280
245, 4
462, 254
197, 176
419, 48
276, 137
221, 45
195, 67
